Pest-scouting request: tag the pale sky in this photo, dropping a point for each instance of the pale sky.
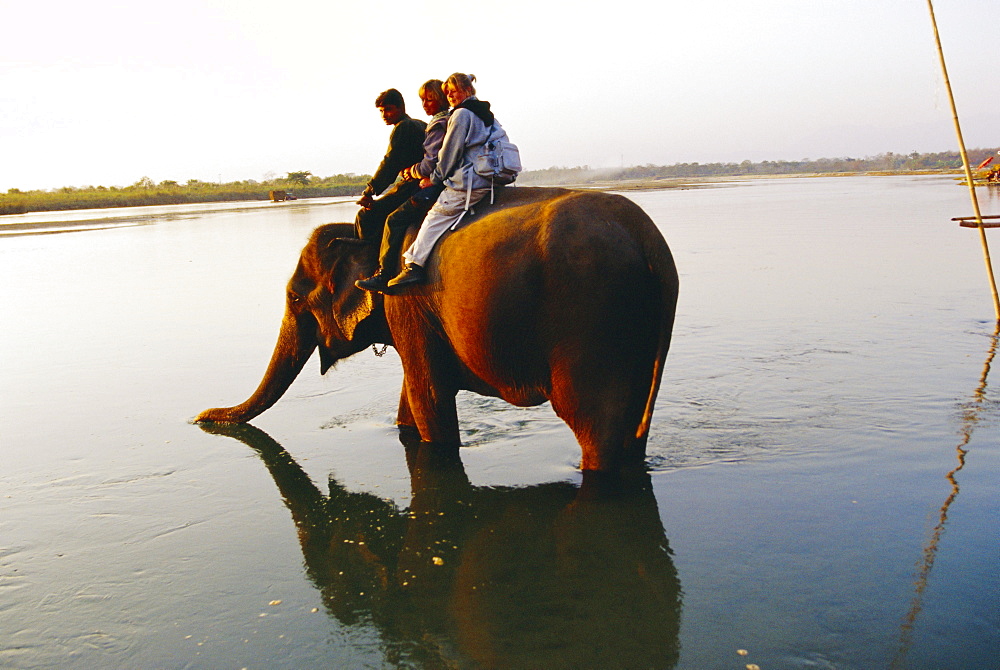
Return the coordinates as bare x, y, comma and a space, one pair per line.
105, 92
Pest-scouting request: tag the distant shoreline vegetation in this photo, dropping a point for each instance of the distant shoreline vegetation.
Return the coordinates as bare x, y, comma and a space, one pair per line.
888, 163
303, 184
146, 192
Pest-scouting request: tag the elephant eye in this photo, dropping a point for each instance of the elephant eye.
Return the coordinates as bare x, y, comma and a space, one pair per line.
294, 298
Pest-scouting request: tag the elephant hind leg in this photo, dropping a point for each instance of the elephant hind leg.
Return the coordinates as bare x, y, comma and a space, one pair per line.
604, 412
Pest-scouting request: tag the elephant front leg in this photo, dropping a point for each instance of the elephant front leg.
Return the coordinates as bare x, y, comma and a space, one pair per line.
431, 409
430, 379
409, 435
404, 417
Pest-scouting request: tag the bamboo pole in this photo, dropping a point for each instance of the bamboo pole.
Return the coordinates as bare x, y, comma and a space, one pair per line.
970, 420
965, 164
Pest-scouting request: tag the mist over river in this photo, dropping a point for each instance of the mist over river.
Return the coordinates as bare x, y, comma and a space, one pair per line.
823, 460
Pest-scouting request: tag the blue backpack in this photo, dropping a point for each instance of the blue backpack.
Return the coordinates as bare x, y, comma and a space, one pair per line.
497, 159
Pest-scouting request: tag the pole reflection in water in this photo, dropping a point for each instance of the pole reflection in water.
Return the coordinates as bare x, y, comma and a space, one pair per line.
481, 576
970, 418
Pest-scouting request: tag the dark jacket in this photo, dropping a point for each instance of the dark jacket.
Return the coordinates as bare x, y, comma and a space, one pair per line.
406, 147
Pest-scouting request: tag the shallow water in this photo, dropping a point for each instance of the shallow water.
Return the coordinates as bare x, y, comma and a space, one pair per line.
828, 376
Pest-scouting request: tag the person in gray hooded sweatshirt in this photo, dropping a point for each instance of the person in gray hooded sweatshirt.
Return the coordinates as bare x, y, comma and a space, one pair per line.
468, 127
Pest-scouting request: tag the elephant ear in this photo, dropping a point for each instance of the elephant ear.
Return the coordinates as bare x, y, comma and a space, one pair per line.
351, 305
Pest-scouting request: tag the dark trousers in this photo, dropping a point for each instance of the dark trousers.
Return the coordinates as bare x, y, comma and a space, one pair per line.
368, 224
410, 213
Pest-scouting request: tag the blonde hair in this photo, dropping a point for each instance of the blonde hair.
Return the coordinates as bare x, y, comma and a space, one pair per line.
462, 81
433, 86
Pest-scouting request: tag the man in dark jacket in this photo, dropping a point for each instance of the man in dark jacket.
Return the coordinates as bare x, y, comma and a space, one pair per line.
406, 147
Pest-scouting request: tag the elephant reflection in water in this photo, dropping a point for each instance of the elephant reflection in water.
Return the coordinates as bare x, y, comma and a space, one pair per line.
487, 577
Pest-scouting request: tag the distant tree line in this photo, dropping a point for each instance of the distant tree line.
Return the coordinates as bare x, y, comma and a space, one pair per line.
948, 161
301, 184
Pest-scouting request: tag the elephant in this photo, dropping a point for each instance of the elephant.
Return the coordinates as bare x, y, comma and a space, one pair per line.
280, 196
486, 576
549, 294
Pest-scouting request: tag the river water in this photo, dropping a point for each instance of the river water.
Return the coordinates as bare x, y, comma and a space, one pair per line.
823, 458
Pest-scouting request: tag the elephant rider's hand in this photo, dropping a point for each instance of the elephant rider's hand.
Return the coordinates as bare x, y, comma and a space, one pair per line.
366, 201
426, 182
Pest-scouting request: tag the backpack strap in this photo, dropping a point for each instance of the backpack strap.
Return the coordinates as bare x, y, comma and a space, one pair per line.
492, 176
468, 186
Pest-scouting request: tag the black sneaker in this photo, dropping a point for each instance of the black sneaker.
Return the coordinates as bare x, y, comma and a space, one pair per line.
377, 283
411, 274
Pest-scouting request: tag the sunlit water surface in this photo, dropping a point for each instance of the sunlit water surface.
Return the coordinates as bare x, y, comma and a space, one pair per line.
823, 458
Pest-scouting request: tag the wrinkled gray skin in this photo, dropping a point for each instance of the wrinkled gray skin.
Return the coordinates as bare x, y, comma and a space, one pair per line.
551, 294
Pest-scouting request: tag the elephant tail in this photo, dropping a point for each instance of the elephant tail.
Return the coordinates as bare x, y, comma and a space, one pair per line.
661, 264
647, 415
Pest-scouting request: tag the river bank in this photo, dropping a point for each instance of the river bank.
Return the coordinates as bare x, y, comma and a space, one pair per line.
39, 223
705, 182
645, 177
61, 220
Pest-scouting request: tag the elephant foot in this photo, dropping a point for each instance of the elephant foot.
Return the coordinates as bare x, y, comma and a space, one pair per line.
409, 436
600, 485
615, 483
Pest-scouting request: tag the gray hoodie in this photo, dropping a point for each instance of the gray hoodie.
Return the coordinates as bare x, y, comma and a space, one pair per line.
465, 133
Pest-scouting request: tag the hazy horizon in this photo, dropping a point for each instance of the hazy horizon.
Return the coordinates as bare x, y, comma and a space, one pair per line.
109, 92
591, 168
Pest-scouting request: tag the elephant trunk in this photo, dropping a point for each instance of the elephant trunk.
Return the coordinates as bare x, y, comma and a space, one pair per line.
295, 345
